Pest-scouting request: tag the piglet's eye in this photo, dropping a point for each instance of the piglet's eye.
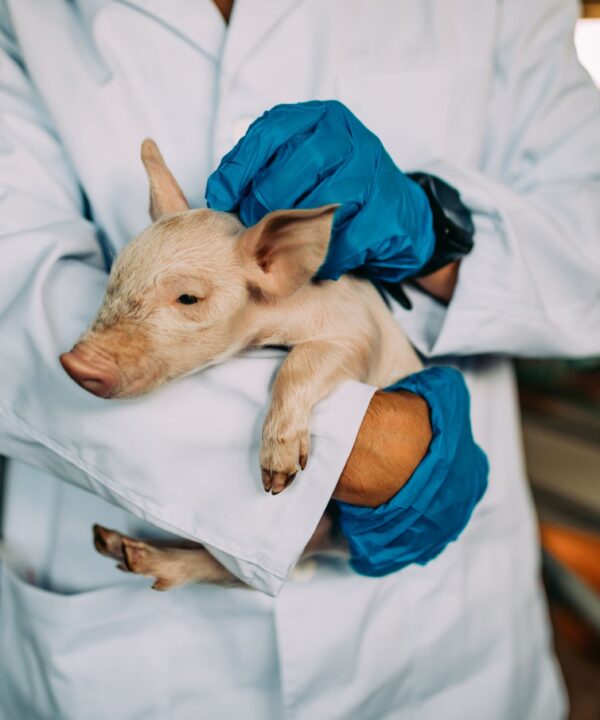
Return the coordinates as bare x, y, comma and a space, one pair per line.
187, 299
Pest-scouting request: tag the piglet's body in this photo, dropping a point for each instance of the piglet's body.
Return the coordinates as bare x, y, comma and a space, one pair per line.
196, 287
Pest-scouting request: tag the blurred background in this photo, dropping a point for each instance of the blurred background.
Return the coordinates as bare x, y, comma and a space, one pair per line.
560, 403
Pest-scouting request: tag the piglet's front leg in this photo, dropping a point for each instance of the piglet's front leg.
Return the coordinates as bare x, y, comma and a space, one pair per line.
311, 371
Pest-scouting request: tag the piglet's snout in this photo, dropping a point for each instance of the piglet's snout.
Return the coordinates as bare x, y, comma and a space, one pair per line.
92, 373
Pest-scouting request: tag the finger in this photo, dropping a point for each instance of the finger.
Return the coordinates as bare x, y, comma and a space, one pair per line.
305, 172
254, 151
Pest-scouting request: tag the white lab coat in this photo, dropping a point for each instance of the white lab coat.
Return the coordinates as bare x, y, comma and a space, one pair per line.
488, 95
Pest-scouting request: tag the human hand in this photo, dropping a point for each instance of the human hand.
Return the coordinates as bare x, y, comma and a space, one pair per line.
414, 476
314, 153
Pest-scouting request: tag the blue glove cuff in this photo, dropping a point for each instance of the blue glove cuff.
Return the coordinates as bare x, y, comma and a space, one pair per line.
435, 505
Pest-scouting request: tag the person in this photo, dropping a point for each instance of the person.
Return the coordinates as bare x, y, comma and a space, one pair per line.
490, 99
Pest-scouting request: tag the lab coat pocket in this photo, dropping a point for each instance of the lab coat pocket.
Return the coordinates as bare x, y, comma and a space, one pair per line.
68, 657
407, 109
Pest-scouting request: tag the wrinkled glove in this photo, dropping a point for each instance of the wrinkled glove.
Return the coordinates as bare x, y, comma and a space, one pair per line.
436, 503
315, 153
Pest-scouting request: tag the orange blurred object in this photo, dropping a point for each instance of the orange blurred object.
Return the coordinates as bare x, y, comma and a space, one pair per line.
579, 551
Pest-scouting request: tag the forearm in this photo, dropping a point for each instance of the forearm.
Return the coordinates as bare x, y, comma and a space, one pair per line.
414, 476
393, 439
441, 283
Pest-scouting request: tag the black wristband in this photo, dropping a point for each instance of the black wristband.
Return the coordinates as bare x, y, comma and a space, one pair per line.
452, 227
452, 223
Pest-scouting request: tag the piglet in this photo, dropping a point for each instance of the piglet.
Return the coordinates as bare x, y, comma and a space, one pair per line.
196, 287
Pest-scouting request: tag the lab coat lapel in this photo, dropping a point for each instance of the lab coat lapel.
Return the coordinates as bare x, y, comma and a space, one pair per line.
251, 21
199, 22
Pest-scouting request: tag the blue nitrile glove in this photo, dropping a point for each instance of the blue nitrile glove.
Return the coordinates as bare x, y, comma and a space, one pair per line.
316, 153
435, 505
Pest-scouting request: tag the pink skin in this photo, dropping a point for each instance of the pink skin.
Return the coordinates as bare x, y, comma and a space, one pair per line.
195, 288
89, 371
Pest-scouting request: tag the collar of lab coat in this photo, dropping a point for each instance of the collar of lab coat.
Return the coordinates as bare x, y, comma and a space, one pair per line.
251, 21
201, 24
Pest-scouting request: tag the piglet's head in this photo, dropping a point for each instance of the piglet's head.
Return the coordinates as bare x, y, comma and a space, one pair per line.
187, 292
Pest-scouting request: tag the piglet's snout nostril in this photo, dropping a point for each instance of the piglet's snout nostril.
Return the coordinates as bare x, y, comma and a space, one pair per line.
97, 380
97, 386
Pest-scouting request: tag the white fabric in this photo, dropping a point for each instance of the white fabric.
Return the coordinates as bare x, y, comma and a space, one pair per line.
488, 93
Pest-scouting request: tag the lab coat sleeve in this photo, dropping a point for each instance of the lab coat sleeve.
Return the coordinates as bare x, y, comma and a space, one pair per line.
185, 458
530, 286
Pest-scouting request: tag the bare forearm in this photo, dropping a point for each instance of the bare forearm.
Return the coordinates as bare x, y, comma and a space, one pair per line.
392, 441
442, 282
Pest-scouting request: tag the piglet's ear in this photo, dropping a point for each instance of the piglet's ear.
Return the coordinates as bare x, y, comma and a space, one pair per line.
286, 248
165, 194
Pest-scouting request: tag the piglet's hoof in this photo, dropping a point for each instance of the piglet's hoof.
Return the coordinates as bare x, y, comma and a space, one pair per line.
281, 456
144, 559
108, 542
274, 482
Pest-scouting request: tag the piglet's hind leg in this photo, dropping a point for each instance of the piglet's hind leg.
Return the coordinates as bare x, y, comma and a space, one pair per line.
169, 566
173, 567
